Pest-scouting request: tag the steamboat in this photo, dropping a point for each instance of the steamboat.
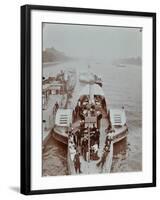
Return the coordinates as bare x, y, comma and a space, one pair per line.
90, 130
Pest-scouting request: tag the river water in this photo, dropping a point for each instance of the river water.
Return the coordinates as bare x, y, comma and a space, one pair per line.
122, 86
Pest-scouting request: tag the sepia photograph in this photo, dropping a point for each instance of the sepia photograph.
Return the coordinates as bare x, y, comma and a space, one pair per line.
88, 103
84, 100
91, 99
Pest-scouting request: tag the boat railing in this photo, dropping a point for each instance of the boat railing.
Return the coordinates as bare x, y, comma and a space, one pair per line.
108, 164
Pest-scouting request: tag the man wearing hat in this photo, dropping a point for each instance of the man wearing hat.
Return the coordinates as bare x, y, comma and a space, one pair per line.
85, 148
103, 158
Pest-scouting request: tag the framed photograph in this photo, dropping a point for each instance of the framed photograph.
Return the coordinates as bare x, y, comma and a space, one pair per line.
88, 99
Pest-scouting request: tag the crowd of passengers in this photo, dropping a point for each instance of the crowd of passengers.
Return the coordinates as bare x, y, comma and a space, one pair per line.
85, 139
84, 107
80, 144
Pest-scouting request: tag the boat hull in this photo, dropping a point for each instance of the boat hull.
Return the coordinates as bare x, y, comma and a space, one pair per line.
61, 137
121, 135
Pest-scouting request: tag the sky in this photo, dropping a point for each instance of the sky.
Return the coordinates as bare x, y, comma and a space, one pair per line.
101, 42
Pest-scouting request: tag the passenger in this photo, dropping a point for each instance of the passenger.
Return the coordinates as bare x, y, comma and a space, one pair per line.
103, 158
109, 138
85, 112
69, 133
71, 145
79, 103
56, 106
75, 138
77, 111
71, 138
109, 128
99, 117
85, 148
74, 115
93, 106
107, 142
53, 110
78, 133
92, 112
97, 136
94, 128
108, 114
92, 138
103, 103
82, 124
77, 163
72, 150
94, 150
81, 132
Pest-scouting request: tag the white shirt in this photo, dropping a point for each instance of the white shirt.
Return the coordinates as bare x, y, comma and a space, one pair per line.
95, 147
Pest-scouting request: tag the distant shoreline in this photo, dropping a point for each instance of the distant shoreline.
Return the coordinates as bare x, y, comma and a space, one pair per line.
46, 64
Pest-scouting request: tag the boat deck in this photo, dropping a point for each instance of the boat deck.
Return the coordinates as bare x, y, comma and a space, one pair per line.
90, 167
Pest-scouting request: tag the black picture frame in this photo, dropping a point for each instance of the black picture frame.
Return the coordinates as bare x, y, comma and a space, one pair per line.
26, 97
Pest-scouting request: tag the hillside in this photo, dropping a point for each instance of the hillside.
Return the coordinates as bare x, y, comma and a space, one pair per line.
53, 55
